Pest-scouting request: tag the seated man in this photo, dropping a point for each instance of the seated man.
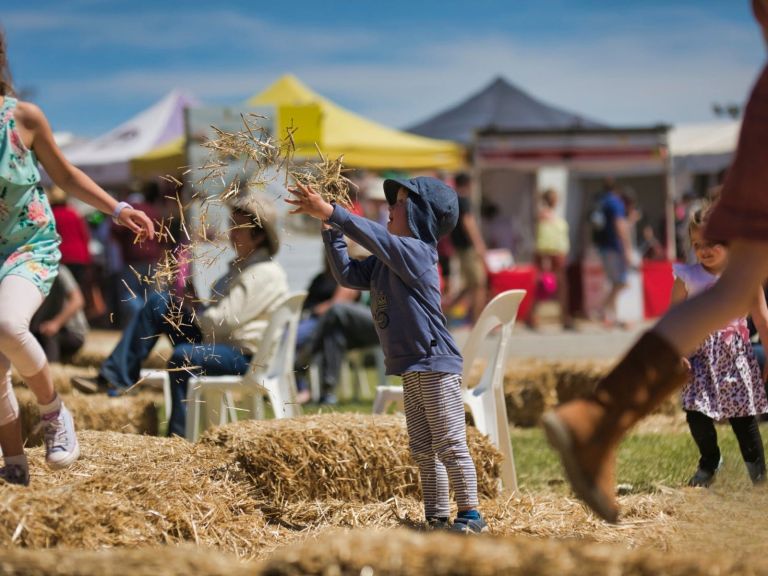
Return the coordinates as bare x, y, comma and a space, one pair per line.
344, 326
60, 324
218, 339
322, 293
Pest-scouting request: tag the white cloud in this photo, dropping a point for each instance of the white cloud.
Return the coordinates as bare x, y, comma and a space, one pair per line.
670, 68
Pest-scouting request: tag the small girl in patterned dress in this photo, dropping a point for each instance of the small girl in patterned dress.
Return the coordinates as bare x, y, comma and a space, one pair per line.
725, 380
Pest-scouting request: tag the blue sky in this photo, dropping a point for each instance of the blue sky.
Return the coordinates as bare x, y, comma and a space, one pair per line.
94, 63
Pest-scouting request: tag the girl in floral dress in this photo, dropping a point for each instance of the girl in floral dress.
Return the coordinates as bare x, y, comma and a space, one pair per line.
725, 380
29, 257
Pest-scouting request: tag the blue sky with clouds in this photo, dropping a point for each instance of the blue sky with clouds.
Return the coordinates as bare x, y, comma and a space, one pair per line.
91, 64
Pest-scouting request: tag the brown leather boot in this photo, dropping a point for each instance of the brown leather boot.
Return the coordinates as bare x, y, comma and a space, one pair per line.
586, 432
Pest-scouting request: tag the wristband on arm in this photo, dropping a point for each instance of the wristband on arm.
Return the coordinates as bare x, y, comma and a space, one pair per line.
118, 209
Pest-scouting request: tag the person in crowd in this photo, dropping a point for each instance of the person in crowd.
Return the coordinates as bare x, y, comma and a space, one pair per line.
650, 247
138, 259
500, 232
74, 234
586, 432
404, 282
725, 378
471, 251
345, 325
552, 247
611, 234
60, 324
29, 261
323, 293
216, 339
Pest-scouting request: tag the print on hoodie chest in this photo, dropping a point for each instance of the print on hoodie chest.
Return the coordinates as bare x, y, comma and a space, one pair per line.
381, 310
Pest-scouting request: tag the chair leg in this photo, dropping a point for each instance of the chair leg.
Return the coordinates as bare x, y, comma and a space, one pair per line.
229, 408
257, 405
314, 382
193, 412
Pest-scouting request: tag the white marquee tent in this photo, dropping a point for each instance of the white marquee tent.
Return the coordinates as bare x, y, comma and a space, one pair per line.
107, 158
705, 147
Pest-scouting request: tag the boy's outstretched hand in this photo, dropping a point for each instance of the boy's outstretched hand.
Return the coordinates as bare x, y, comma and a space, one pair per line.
307, 201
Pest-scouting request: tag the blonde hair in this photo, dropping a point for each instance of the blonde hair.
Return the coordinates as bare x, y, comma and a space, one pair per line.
698, 220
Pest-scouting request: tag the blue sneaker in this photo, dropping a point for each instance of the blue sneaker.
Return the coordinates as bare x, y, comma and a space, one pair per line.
469, 525
15, 474
61, 446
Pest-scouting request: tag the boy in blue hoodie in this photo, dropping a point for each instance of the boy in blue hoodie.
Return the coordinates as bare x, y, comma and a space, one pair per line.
405, 302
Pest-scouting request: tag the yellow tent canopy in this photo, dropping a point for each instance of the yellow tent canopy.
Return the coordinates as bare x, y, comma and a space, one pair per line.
165, 159
364, 144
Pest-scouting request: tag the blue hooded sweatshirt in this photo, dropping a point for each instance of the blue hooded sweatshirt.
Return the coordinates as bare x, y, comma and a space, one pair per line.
402, 276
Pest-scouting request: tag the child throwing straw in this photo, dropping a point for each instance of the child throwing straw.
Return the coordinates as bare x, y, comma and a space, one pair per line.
403, 279
29, 260
586, 432
725, 380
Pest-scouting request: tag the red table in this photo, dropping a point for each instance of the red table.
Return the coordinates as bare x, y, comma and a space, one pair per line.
516, 278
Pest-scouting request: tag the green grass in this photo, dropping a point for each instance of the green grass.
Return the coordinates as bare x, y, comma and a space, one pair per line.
645, 461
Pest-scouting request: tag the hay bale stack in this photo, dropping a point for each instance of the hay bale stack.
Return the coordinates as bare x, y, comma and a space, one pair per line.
350, 457
578, 379
132, 414
62, 376
130, 490
90, 357
529, 390
532, 387
404, 553
150, 561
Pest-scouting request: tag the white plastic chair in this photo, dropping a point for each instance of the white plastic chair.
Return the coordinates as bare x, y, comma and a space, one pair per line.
485, 400
209, 398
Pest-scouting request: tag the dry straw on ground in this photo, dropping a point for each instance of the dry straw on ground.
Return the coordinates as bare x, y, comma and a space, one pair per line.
130, 490
352, 457
134, 414
143, 561
404, 553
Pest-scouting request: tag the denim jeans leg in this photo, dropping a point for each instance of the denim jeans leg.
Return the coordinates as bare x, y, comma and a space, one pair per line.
212, 360
123, 366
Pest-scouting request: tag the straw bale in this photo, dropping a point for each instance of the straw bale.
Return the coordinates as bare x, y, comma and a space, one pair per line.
91, 357
577, 379
351, 457
134, 414
145, 561
61, 374
529, 391
131, 490
402, 552
533, 386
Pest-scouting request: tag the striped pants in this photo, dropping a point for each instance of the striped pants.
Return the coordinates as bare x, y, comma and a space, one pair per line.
437, 437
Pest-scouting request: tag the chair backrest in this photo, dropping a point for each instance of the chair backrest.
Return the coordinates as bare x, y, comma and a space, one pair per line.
278, 345
501, 311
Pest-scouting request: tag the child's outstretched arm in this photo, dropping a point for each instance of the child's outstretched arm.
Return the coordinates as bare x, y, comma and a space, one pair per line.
73, 180
307, 201
759, 313
349, 273
679, 293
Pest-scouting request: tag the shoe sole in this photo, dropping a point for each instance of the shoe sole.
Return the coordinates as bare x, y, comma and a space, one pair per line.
561, 440
85, 386
67, 462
